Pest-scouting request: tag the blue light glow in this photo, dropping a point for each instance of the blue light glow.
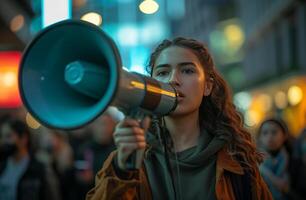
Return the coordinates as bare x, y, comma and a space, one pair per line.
128, 35
139, 57
153, 32
176, 9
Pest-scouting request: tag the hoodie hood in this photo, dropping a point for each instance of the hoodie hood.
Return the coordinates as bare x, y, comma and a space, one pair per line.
194, 169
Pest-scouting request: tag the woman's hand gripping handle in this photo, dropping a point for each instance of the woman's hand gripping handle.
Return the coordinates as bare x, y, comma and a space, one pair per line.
129, 137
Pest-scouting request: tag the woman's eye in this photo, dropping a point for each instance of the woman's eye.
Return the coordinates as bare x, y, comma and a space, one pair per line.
188, 71
162, 73
264, 133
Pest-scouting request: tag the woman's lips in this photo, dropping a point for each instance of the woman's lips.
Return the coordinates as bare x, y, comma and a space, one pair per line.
179, 99
179, 93
180, 96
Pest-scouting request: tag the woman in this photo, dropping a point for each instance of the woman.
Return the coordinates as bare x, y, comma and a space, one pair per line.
273, 138
199, 151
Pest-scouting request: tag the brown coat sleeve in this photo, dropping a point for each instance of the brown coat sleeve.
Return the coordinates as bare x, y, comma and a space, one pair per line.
109, 186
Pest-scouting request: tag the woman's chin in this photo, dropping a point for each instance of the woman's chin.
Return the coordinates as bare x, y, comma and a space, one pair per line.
181, 112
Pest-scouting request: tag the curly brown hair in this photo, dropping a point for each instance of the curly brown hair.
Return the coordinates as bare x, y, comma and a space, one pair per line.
217, 113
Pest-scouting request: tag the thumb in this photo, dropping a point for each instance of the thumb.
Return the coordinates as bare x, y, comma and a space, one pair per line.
145, 124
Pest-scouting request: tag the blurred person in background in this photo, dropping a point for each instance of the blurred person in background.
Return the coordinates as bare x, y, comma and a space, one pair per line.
22, 176
62, 163
93, 154
3, 146
273, 140
298, 168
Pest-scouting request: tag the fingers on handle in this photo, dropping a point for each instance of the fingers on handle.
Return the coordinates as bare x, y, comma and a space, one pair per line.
129, 139
129, 148
145, 124
128, 122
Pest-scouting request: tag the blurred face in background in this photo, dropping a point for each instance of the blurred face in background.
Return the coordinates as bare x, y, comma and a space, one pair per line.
10, 140
272, 136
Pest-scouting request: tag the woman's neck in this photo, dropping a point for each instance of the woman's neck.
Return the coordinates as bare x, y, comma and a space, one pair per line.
184, 130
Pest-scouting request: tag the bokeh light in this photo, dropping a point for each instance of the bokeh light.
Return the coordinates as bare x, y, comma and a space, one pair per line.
31, 122
280, 100
295, 95
234, 35
55, 11
17, 23
9, 93
252, 118
148, 6
265, 102
9, 79
93, 18
242, 100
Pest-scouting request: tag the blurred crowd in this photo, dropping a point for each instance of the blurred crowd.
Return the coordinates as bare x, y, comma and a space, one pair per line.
62, 164
55, 165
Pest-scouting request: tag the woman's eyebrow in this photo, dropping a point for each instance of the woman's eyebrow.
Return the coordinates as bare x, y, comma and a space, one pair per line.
179, 65
186, 63
162, 65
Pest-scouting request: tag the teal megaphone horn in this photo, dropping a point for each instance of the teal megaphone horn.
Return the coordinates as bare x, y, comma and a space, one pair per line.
72, 71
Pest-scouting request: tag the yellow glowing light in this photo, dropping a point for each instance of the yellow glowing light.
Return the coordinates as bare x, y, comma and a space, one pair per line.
252, 117
280, 100
265, 102
32, 123
234, 34
17, 23
9, 92
148, 6
93, 18
295, 95
9, 79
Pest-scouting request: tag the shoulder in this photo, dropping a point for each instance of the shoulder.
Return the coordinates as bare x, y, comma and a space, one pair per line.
227, 162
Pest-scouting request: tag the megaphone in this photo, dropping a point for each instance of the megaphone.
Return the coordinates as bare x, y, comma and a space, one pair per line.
72, 71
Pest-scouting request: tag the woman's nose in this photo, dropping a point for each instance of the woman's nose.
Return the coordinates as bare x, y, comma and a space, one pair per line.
175, 79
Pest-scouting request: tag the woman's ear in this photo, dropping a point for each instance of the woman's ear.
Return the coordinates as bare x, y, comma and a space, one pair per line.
208, 87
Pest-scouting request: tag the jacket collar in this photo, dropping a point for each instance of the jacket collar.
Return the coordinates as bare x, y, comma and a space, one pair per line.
226, 162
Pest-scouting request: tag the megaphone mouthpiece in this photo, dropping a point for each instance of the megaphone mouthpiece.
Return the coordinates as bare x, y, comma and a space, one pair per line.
85, 78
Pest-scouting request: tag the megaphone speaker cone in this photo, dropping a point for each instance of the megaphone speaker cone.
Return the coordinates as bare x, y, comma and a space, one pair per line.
53, 82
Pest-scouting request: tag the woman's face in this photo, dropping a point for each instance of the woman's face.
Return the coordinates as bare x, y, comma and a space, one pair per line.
181, 67
272, 136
